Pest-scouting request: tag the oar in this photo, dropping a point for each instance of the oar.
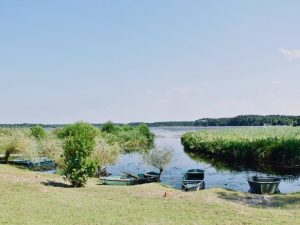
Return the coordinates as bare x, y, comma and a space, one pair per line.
131, 175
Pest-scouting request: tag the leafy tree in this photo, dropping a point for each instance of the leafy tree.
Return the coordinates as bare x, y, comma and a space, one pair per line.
159, 157
79, 142
38, 132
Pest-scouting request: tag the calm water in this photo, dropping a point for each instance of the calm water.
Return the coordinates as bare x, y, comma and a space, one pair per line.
181, 162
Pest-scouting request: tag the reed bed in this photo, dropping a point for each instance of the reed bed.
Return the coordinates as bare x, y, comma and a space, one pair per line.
276, 145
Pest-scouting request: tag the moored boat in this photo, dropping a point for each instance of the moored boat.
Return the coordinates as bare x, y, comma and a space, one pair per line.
42, 163
130, 178
117, 180
263, 185
193, 180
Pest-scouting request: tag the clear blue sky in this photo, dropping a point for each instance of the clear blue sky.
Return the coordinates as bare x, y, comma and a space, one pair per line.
65, 61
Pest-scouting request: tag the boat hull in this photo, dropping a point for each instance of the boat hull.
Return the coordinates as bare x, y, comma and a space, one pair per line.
130, 180
264, 185
193, 186
40, 164
116, 180
193, 180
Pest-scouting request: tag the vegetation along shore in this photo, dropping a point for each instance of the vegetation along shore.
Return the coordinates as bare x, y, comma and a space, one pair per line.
75, 143
274, 145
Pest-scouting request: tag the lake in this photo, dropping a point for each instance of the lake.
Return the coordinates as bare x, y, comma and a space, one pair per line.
181, 162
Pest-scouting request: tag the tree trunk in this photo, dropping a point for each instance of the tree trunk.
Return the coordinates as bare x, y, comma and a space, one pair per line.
7, 154
160, 172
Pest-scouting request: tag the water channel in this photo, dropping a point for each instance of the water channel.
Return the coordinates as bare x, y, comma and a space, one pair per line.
215, 176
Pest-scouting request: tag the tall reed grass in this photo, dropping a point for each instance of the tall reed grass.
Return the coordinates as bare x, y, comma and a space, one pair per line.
280, 145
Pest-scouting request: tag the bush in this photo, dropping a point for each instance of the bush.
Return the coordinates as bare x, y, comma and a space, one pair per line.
79, 142
38, 132
129, 138
145, 131
109, 127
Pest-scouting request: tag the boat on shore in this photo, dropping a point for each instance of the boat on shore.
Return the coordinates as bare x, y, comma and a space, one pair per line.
264, 185
117, 180
42, 163
193, 180
128, 178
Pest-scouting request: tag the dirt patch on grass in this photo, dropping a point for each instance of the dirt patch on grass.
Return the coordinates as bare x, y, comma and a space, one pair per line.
259, 200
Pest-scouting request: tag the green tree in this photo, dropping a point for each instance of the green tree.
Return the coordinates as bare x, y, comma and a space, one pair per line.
78, 144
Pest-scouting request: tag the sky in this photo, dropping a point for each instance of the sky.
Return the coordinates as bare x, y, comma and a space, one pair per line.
140, 60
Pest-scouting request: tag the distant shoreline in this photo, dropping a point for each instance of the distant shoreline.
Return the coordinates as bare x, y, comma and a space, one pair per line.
241, 120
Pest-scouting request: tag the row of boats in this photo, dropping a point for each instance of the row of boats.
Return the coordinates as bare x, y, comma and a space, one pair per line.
192, 180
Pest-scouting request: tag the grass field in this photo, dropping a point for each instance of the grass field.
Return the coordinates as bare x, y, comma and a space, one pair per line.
280, 145
35, 198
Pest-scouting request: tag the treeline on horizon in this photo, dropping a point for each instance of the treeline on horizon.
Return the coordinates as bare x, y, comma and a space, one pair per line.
242, 120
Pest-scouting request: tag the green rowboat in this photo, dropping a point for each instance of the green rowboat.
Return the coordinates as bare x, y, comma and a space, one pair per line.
130, 178
193, 180
117, 180
263, 185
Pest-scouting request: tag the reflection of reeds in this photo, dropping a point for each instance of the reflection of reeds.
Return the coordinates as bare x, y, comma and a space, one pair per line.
227, 165
280, 145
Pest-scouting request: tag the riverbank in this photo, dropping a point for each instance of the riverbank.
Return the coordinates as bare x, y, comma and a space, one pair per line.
35, 198
270, 145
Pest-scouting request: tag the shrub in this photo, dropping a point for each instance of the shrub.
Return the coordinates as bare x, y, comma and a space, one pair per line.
129, 138
79, 142
38, 132
145, 131
109, 127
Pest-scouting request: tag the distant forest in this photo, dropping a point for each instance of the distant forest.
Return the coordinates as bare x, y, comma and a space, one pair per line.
242, 120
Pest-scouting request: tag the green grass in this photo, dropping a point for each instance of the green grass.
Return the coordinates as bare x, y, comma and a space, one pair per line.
25, 199
280, 145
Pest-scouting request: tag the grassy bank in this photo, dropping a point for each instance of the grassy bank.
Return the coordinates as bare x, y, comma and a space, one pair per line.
35, 198
280, 145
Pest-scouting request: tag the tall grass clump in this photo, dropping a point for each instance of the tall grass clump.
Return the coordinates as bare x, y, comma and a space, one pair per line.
280, 145
105, 154
17, 141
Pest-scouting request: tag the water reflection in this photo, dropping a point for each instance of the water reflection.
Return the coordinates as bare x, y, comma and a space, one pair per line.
217, 174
